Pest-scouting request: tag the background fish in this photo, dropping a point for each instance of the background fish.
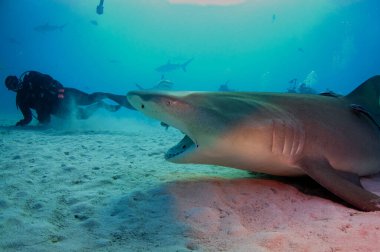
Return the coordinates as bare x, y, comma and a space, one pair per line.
169, 67
48, 28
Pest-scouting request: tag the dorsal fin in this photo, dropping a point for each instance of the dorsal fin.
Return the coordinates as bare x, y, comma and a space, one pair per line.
368, 96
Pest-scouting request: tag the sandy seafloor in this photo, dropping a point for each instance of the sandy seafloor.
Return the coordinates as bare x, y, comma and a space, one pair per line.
105, 186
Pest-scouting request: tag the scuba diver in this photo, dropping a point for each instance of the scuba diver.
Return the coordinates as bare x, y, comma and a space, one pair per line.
48, 97
100, 7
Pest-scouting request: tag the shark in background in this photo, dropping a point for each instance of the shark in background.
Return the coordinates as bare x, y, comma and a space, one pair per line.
44, 28
335, 140
170, 67
161, 85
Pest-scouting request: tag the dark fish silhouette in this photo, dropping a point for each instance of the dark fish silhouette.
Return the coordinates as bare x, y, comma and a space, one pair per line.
100, 7
48, 28
94, 22
225, 88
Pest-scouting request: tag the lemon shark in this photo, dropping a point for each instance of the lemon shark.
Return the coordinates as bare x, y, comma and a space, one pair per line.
331, 138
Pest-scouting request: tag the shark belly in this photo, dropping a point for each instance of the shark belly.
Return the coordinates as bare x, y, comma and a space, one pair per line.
272, 165
271, 147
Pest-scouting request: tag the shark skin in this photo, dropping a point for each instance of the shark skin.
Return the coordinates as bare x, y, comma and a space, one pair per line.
282, 134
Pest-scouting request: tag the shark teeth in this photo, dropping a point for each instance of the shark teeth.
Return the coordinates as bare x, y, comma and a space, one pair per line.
185, 144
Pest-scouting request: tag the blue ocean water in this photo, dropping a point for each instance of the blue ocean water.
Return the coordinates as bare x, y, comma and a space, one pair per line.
253, 45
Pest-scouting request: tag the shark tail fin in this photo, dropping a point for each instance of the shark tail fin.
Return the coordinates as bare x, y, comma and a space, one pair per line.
367, 95
184, 65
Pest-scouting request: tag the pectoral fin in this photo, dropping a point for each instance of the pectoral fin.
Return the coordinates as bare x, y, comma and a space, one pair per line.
345, 187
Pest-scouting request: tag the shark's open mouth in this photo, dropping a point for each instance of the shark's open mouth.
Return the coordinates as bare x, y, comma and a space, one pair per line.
184, 146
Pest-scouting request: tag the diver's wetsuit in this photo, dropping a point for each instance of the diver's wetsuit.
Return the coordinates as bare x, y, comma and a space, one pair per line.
48, 97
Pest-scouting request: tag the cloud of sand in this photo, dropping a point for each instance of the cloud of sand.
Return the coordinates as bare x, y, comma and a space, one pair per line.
102, 121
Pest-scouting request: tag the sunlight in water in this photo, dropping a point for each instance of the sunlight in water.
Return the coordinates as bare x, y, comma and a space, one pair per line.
208, 2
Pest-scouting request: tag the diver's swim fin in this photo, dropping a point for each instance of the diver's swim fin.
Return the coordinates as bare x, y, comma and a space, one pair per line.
108, 107
121, 100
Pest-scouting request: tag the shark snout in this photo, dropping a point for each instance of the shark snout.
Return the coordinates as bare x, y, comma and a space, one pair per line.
137, 99
168, 107
143, 100
158, 105
165, 101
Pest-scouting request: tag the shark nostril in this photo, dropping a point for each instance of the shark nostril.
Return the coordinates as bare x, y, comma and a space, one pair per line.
142, 106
